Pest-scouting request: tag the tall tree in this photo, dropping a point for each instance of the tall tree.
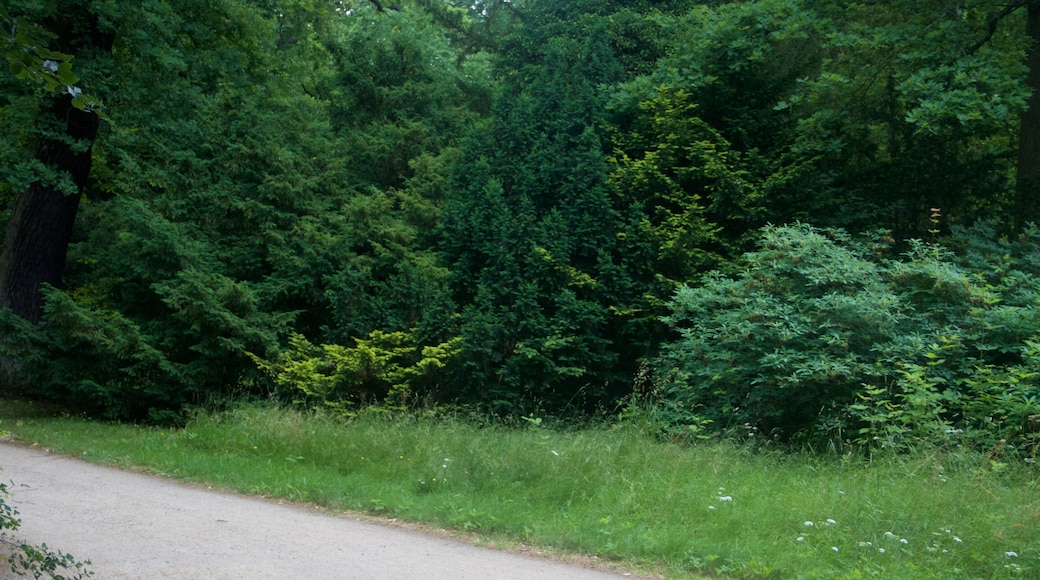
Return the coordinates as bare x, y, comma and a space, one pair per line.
532, 242
40, 224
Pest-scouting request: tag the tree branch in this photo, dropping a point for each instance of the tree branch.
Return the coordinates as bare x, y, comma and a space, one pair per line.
992, 22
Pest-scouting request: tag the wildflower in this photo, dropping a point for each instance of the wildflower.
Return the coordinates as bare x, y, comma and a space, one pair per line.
725, 498
556, 454
800, 539
831, 522
956, 539
50, 65
881, 550
835, 548
1011, 554
808, 524
889, 535
711, 507
865, 544
903, 541
74, 91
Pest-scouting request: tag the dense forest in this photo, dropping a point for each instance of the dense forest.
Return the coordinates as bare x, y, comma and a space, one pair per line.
802, 220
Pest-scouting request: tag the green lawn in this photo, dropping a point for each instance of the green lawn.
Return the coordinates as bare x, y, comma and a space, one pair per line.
680, 510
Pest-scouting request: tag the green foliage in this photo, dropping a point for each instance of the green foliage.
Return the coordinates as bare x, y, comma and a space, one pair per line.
534, 180
531, 239
386, 369
681, 174
823, 338
857, 116
28, 559
793, 333
24, 46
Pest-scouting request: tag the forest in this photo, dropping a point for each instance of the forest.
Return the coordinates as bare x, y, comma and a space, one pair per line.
805, 221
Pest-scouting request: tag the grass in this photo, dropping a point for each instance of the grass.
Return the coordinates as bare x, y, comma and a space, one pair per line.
684, 511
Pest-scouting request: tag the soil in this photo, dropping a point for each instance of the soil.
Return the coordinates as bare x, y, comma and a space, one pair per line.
136, 526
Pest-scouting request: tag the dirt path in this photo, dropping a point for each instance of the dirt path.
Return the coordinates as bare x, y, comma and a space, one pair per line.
135, 526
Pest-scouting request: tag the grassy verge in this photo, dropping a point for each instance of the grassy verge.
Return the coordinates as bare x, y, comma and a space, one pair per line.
716, 508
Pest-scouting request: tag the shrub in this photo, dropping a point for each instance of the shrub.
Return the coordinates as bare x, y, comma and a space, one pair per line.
824, 337
386, 368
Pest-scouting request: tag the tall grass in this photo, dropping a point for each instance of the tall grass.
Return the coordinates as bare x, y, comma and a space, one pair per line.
717, 508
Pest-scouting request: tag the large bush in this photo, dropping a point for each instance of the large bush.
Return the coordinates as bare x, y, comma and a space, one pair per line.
826, 337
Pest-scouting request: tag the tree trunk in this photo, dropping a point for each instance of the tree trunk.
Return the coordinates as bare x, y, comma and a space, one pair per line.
41, 221
1027, 189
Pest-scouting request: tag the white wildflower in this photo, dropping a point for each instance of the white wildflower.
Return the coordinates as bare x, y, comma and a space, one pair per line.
1011, 554
50, 65
725, 498
808, 524
831, 522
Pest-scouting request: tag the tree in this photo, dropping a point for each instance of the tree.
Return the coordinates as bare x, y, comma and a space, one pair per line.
532, 242
856, 115
40, 225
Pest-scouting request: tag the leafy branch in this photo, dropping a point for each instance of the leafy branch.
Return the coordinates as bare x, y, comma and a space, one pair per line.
24, 46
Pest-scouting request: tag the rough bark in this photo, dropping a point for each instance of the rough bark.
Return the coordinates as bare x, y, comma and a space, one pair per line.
42, 217
1027, 190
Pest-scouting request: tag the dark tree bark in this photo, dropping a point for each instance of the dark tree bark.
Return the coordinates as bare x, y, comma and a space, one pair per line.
1027, 189
40, 227
42, 217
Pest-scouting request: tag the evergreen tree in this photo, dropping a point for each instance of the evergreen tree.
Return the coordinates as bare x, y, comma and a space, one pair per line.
532, 244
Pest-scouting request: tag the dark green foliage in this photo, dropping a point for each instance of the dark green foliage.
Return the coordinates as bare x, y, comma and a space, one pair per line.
533, 246
854, 116
286, 188
785, 342
823, 337
156, 325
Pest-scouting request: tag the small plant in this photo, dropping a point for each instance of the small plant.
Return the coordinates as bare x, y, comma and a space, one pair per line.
30, 560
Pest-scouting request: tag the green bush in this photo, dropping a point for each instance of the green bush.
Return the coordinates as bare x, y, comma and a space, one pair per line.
387, 369
824, 337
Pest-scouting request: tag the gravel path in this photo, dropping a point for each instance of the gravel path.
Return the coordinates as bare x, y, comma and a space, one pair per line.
135, 526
